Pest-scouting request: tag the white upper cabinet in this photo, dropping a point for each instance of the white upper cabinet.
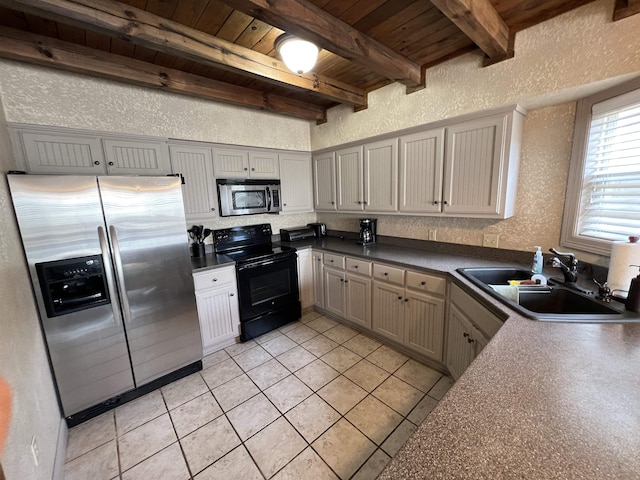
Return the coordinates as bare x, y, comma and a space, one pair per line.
296, 183
264, 165
381, 176
230, 163
136, 157
243, 163
324, 182
473, 167
66, 154
63, 151
464, 168
195, 166
349, 170
421, 163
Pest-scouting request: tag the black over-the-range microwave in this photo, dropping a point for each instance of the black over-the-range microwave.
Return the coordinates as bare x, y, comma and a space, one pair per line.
248, 197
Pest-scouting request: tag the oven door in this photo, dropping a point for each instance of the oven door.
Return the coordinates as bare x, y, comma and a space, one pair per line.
267, 285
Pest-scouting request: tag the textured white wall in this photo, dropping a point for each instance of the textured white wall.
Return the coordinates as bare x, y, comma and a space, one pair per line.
45, 96
557, 61
23, 360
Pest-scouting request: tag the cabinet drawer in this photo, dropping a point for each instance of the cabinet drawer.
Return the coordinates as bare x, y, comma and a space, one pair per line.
388, 273
332, 260
214, 278
358, 266
426, 283
483, 319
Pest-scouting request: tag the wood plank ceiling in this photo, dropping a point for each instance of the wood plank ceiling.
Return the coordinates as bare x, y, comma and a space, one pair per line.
223, 50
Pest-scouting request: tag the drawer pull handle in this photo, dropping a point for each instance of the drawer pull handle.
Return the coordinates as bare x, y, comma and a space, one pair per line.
386, 274
465, 334
406, 299
470, 340
423, 283
231, 294
399, 298
214, 279
355, 266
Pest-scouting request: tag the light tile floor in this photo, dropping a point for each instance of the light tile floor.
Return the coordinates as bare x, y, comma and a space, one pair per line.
312, 400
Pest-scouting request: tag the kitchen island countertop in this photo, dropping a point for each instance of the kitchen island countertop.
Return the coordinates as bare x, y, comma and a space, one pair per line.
544, 400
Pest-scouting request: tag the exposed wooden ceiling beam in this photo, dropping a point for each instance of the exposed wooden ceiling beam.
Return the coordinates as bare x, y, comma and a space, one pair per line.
142, 28
625, 8
302, 18
479, 21
40, 50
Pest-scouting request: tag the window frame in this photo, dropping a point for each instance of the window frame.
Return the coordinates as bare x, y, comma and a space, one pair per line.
568, 233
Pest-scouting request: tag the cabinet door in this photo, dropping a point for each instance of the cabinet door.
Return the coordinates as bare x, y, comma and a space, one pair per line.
349, 173
424, 324
473, 165
65, 154
460, 351
230, 163
358, 299
318, 279
334, 291
296, 183
324, 182
195, 165
264, 165
305, 277
381, 176
421, 163
133, 157
388, 310
219, 317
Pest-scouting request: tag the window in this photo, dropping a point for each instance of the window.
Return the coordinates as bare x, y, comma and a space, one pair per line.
603, 192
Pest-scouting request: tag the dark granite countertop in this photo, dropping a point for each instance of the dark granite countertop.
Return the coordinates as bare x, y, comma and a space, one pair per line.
209, 261
544, 400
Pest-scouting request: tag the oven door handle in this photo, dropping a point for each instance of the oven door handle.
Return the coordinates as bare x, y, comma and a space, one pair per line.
266, 263
108, 272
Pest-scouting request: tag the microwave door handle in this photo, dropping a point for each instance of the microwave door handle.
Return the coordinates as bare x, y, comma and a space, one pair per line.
124, 299
108, 272
268, 190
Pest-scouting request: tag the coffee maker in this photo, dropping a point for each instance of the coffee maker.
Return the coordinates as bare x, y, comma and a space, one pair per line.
367, 231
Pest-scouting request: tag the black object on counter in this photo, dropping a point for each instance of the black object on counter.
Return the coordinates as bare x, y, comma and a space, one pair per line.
633, 298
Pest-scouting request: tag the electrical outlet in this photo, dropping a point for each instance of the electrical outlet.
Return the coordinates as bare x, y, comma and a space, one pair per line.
35, 452
432, 234
490, 240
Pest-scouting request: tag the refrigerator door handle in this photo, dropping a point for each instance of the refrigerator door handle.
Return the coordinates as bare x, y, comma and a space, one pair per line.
108, 272
124, 299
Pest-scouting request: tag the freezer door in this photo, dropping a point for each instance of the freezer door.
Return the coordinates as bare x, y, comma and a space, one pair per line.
60, 218
148, 237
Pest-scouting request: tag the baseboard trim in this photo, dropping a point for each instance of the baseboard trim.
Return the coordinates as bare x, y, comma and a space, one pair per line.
61, 451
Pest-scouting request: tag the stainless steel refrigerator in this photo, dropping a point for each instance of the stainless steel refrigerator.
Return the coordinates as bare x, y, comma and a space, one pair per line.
109, 262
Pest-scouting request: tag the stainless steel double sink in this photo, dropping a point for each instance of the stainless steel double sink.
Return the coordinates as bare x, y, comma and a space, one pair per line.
553, 302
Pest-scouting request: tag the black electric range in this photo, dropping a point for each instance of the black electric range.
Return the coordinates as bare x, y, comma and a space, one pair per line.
267, 277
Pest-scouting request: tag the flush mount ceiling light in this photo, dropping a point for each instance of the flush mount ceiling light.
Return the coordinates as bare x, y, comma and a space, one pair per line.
298, 55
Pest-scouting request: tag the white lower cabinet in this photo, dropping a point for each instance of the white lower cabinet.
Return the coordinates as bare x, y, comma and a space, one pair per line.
424, 324
470, 327
410, 309
318, 279
334, 291
346, 294
388, 310
218, 312
305, 278
358, 293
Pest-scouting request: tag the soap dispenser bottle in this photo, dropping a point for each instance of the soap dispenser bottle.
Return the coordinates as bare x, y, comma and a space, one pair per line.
633, 298
536, 266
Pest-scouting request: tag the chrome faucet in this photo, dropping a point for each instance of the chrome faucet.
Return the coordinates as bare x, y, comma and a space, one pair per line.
569, 270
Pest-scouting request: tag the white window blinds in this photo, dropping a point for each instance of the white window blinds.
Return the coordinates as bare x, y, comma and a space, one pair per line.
610, 197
